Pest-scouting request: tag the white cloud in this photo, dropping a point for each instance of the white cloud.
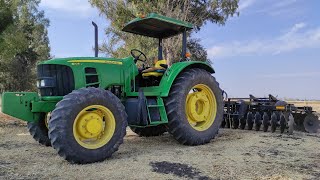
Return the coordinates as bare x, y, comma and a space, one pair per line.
281, 8
284, 3
244, 4
297, 37
80, 7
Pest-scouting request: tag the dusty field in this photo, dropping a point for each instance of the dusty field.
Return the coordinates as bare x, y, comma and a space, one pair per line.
234, 154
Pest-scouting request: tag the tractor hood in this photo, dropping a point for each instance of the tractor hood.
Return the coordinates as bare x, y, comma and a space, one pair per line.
82, 60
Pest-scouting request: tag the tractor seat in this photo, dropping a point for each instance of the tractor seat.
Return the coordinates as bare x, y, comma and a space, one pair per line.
159, 68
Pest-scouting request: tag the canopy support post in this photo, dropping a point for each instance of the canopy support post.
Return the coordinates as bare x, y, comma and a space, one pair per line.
184, 45
160, 50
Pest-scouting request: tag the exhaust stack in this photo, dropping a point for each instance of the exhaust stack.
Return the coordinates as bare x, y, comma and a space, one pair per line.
96, 35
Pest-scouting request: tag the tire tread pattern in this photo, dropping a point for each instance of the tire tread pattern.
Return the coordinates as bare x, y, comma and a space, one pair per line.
69, 105
178, 125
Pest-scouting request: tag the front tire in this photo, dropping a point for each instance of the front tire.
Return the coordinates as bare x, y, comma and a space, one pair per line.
39, 130
194, 107
88, 125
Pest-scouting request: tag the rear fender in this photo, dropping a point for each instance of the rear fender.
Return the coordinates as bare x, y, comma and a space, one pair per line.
173, 72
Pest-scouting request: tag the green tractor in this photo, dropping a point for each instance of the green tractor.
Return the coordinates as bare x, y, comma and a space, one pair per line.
85, 104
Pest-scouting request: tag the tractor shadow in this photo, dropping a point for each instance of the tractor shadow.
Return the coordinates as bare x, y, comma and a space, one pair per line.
135, 146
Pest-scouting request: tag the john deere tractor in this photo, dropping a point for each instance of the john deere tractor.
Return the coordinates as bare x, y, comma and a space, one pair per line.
85, 104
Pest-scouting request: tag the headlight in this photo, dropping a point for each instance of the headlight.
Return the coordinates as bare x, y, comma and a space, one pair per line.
45, 82
42, 83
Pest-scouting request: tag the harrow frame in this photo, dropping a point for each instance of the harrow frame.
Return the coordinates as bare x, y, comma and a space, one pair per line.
255, 112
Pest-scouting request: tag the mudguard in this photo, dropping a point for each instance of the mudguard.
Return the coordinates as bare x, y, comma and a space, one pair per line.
173, 72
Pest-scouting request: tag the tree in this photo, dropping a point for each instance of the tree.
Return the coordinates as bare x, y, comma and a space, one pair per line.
23, 42
197, 12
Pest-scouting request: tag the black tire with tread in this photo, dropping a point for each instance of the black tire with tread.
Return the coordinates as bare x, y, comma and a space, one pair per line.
178, 124
39, 131
63, 116
150, 131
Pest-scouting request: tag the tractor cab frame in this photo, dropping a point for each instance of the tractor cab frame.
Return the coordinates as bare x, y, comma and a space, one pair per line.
160, 27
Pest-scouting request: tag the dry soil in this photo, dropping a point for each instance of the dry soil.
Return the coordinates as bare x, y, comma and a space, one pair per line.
234, 154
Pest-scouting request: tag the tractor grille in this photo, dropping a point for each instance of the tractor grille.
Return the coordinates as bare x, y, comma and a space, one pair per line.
62, 77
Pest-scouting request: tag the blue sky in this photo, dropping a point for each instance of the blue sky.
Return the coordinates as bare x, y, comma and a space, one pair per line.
272, 47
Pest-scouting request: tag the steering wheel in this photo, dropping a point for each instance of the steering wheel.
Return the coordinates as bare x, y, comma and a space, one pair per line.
136, 54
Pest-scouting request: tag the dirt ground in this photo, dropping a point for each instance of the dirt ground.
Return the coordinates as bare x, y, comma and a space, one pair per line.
234, 154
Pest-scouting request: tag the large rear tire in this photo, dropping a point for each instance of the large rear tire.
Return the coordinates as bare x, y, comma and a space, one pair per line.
150, 131
194, 107
87, 125
39, 130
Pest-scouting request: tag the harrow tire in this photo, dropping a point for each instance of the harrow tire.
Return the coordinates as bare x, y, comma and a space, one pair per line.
257, 121
39, 131
274, 122
63, 117
150, 131
175, 104
265, 121
250, 120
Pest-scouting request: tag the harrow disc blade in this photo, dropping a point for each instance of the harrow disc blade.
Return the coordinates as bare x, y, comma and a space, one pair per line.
265, 121
311, 123
274, 122
223, 123
283, 123
235, 122
250, 120
257, 121
242, 123
291, 124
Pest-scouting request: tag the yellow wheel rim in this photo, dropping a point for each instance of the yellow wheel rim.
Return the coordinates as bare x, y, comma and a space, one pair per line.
94, 126
201, 107
46, 119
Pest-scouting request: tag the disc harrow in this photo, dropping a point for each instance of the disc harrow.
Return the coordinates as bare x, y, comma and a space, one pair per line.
268, 114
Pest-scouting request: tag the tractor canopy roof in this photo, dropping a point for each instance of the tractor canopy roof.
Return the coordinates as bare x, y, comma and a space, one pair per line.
156, 26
